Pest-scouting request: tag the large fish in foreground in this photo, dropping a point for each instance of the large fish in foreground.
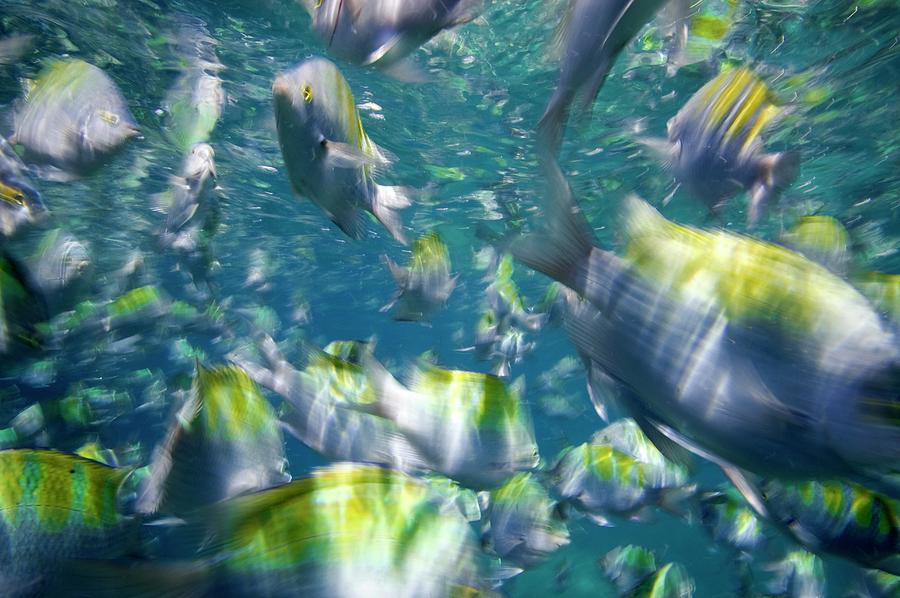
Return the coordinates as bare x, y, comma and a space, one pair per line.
328, 156
74, 118
733, 348
715, 148
55, 507
593, 33
383, 32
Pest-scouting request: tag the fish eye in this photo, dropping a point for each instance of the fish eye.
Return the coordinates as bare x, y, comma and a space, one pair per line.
307, 93
109, 117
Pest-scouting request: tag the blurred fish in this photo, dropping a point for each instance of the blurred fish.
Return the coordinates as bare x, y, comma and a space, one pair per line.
20, 203
61, 268
627, 567
505, 301
669, 581
471, 427
883, 290
322, 398
57, 507
838, 518
224, 441
799, 574
696, 32
602, 481
22, 307
591, 35
730, 520
384, 32
730, 347
190, 192
425, 285
349, 530
877, 584
715, 149
822, 239
194, 104
328, 156
524, 523
74, 118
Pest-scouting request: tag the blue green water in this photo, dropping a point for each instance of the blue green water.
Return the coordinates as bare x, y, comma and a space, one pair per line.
465, 140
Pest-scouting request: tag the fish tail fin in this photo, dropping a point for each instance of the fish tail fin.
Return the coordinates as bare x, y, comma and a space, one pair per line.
137, 579
563, 250
776, 173
679, 501
386, 205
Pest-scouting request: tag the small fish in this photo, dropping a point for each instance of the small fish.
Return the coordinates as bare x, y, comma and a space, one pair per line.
601, 481
627, 567
839, 518
669, 581
194, 104
224, 441
20, 202
327, 396
715, 148
730, 520
471, 427
425, 285
61, 267
799, 574
729, 347
74, 118
54, 508
524, 523
591, 35
822, 239
22, 307
626, 436
384, 32
328, 156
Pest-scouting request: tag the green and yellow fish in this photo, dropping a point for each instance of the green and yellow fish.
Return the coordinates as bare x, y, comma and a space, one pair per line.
74, 118
54, 508
425, 285
225, 440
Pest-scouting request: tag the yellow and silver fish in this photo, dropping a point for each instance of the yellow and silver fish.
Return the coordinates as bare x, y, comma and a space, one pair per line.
425, 285
715, 148
328, 156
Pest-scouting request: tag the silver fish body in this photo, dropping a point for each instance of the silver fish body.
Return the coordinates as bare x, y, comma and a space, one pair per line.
328, 156
382, 32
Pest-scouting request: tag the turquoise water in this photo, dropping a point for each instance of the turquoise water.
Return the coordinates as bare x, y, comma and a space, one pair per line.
465, 141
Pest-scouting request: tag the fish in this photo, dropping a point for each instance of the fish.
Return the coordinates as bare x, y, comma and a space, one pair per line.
882, 289
628, 566
838, 518
799, 574
730, 520
383, 33
471, 427
669, 581
325, 393
424, 286
61, 269
601, 481
22, 307
328, 156
625, 436
729, 347
194, 103
714, 146
190, 193
224, 441
822, 239
55, 508
74, 119
524, 525
20, 202
591, 35
347, 530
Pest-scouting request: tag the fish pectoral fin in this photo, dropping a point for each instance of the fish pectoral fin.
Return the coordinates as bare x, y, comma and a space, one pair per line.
382, 50
344, 155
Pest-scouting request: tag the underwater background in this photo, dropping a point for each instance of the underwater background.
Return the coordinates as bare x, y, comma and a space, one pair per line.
465, 141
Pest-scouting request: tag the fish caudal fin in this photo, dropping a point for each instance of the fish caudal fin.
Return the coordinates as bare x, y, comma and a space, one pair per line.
550, 127
563, 249
776, 173
386, 204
